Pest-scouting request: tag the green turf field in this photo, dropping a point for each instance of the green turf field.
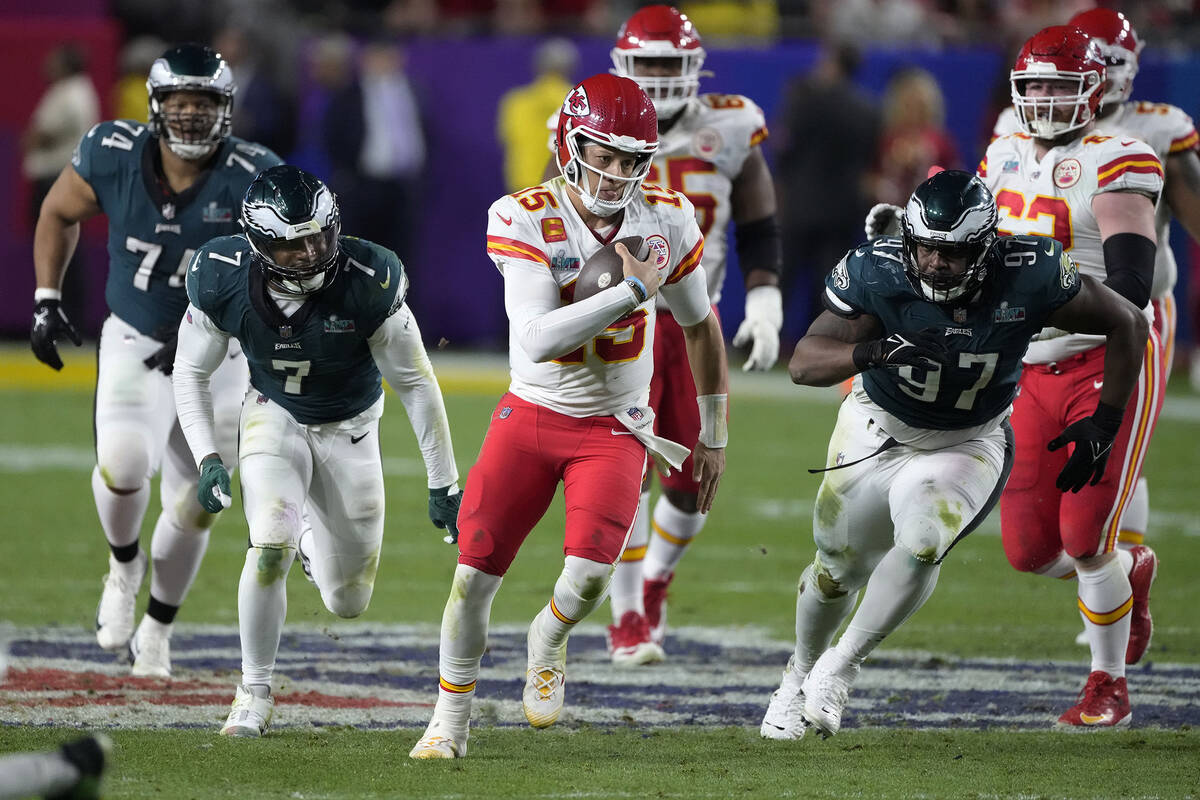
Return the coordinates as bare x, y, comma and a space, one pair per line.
741, 572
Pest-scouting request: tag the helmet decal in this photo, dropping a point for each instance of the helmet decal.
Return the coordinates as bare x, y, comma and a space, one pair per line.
292, 223
576, 103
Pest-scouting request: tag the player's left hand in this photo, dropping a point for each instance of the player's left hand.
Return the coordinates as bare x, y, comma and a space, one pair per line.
883, 220
443, 510
50, 324
213, 491
760, 328
1093, 437
163, 359
708, 465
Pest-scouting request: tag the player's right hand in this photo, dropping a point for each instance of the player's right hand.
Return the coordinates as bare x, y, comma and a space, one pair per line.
213, 491
645, 271
925, 348
883, 220
50, 324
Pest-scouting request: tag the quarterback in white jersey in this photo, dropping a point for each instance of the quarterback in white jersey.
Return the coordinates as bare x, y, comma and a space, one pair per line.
1096, 195
576, 411
709, 151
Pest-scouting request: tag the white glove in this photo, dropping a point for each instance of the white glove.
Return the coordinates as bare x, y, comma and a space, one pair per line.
764, 318
883, 220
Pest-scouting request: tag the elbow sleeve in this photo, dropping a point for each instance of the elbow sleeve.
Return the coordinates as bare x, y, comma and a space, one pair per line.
759, 246
1129, 260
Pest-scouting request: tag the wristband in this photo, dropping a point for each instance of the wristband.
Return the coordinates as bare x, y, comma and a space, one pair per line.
639, 288
714, 423
445, 491
46, 294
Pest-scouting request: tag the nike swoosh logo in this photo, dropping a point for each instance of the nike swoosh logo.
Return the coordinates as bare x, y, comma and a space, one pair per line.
504, 219
1088, 719
1097, 384
388, 282
621, 433
1127, 142
356, 439
1049, 249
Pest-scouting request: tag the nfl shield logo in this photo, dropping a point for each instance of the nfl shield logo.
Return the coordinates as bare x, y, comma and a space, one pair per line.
262, 400
635, 414
168, 211
505, 412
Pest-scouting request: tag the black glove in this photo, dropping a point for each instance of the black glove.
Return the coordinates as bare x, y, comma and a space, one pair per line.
1093, 437
925, 348
164, 357
443, 511
50, 324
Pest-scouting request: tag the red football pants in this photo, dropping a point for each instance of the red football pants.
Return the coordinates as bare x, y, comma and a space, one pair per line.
528, 449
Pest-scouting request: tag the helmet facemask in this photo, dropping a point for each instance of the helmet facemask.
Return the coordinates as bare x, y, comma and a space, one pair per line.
669, 93
191, 135
1038, 116
577, 171
956, 216
1121, 66
300, 258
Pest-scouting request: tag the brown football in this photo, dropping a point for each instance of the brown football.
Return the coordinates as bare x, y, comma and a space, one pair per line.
603, 269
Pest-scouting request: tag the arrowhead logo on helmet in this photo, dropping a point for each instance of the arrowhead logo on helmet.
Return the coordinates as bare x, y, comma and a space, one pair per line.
576, 103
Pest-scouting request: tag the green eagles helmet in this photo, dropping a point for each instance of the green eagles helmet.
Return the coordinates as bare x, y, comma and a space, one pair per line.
191, 68
292, 222
954, 213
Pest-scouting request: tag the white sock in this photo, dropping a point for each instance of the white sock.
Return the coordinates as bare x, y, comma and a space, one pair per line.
817, 619
1063, 566
120, 514
465, 627
1104, 603
899, 585
262, 607
579, 590
673, 534
625, 592
1136, 518
176, 553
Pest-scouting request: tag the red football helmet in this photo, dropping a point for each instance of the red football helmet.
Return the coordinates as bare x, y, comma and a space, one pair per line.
1120, 46
661, 32
1060, 53
613, 111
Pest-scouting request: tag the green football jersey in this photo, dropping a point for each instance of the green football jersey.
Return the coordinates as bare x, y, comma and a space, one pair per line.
152, 231
316, 363
1030, 277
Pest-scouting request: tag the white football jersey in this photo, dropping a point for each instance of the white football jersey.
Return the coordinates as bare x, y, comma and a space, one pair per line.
700, 156
1168, 130
1052, 196
611, 373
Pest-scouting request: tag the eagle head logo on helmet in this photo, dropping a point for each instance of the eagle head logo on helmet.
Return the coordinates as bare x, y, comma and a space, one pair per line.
613, 112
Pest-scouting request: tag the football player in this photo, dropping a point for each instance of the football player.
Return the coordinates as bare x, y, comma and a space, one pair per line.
932, 325
577, 410
320, 317
166, 188
1173, 137
709, 151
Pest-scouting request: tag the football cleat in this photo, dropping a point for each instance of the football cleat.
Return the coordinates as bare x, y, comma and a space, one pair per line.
654, 599
826, 689
249, 715
1145, 568
1103, 703
114, 615
440, 741
629, 642
150, 649
545, 684
302, 548
785, 713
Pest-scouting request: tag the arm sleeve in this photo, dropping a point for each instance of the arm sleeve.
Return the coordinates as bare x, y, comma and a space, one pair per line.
689, 298
201, 349
543, 327
400, 355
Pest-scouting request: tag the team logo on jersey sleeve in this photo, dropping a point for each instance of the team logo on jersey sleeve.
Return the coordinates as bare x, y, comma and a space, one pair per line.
1068, 272
841, 275
707, 142
660, 246
553, 230
576, 104
1067, 173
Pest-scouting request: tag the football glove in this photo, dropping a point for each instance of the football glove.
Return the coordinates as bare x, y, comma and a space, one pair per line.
925, 348
883, 220
443, 510
50, 324
213, 491
1093, 437
163, 359
760, 328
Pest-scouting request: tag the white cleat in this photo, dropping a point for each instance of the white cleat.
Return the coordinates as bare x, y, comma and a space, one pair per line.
545, 680
785, 714
114, 615
249, 715
441, 741
1081, 638
150, 649
303, 547
826, 690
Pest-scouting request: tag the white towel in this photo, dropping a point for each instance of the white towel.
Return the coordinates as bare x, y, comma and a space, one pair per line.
666, 454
